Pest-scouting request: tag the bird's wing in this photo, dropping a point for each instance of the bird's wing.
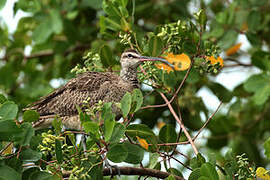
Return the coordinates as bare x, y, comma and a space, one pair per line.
64, 100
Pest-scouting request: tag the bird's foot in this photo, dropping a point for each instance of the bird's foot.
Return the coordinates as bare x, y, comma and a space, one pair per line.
110, 167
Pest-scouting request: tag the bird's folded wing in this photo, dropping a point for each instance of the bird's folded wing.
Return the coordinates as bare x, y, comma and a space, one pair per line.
63, 101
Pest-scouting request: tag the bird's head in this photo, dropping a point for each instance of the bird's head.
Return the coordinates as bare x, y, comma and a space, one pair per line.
132, 59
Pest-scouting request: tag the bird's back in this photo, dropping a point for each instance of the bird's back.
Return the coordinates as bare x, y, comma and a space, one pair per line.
89, 86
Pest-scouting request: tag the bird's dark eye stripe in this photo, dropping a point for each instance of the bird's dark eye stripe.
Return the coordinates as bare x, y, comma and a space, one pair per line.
130, 56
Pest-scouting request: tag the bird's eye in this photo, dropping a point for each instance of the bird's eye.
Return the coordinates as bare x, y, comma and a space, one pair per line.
130, 56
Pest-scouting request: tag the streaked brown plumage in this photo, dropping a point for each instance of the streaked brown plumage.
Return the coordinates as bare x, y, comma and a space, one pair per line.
90, 86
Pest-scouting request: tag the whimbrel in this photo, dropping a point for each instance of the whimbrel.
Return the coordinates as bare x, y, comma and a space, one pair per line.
94, 86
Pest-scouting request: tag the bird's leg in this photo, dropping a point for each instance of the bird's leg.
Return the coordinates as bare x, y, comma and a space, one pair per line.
109, 166
83, 141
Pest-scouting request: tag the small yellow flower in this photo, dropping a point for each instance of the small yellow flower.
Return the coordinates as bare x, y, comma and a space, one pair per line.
214, 61
262, 173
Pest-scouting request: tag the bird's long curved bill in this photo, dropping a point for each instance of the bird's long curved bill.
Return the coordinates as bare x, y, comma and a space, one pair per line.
146, 58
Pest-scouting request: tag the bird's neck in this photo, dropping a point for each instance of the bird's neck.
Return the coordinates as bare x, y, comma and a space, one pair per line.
130, 75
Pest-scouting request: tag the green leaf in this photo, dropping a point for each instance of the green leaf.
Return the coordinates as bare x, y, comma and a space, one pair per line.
253, 39
2, 99
197, 162
260, 85
11, 132
266, 146
41, 175
140, 130
111, 9
27, 134
42, 32
7, 173
56, 21
26, 175
95, 4
208, 170
155, 46
144, 132
175, 172
203, 178
109, 125
153, 160
58, 151
262, 94
30, 116
123, 3
8, 111
261, 59
29, 155
135, 153
118, 133
254, 20
255, 82
126, 104
117, 153
106, 56
222, 93
137, 100
57, 124
167, 134
195, 175
2, 4
91, 127
14, 162
202, 18
228, 39
170, 177
109, 120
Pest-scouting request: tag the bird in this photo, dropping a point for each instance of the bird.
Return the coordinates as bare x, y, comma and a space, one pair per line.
93, 87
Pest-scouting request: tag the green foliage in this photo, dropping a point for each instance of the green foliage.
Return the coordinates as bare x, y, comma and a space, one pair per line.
30, 116
118, 153
267, 148
8, 110
118, 133
106, 56
8, 173
126, 104
109, 121
135, 154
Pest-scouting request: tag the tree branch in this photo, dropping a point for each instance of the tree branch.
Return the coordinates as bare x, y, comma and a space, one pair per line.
180, 123
139, 171
50, 52
131, 171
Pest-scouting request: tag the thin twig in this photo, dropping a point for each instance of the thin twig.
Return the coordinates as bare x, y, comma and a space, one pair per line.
174, 95
181, 163
50, 52
207, 121
195, 137
180, 123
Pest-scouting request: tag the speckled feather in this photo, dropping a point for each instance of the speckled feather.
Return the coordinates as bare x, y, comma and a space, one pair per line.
93, 86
